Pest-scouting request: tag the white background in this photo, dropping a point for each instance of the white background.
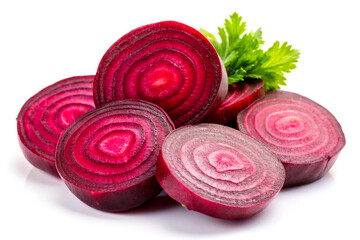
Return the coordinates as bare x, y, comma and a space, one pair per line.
43, 41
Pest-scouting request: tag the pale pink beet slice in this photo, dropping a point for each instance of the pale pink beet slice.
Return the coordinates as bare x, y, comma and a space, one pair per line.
218, 171
108, 156
43, 118
239, 97
167, 63
305, 136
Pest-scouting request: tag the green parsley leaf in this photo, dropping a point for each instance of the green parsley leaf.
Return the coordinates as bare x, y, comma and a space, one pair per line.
244, 59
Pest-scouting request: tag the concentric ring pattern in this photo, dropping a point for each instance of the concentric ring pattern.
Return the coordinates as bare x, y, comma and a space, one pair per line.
167, 63
239, 97
242, 90
44, 116
113, 147
222, 165
295, 128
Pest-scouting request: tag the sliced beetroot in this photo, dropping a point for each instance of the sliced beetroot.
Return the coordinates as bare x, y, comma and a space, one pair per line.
44, 117
304, 135
167, 63
239, 97
218, 171
108, 156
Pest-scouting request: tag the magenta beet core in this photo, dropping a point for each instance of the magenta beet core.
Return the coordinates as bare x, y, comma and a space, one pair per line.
68, 113
225, 160
161, 82
90, 158
116, 143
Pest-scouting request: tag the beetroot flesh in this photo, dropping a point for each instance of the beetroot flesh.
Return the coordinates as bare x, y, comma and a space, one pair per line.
305, 136
167, 63
43, 118
108, 156
239, 97
218, 171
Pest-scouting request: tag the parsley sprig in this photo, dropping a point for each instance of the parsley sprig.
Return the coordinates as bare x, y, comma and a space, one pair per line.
243, 57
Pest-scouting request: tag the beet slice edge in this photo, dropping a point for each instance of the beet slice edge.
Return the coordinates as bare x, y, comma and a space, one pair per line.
167, 63
44, 116
108, 156
304, 135
218, 171
240, 95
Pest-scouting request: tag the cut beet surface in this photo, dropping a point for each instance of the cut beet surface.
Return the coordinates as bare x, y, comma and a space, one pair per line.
239, 97
167, 63
218, 171
43, 118
108, 156
304, 135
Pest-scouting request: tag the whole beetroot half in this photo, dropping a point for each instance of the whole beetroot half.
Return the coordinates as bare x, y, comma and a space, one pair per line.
218, 171
44, 117
305, 136
108, 156
166, 63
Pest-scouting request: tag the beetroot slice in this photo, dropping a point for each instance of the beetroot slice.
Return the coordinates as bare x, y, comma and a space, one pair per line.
218, 171
43, 118
239, 97
108, 156
167, 63
304, 135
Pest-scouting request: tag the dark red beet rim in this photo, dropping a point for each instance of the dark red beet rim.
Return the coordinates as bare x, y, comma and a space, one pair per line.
113, 147
239, 97
43, 117
297, 129
221, 165
167, 63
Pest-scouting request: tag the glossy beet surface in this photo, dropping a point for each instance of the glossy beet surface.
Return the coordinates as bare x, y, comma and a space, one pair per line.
304, 135
167, 63
218, 171
239, 97
43, 118
108, 156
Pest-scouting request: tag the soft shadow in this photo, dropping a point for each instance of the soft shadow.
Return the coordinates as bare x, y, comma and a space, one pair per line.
190, 222
39, 177
162, 202
325, 182
21, 166
162, 209
165, 211
54, 190
156, 205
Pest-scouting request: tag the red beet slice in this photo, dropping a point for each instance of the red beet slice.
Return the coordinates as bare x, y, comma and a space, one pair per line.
43, 118
239, 97
167, 63
218, 171
304, 135
108, 156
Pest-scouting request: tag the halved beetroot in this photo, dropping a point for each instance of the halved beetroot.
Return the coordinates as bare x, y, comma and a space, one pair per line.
167, 63
218, 171
304, 135
43, 118
239, 97
108, 156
